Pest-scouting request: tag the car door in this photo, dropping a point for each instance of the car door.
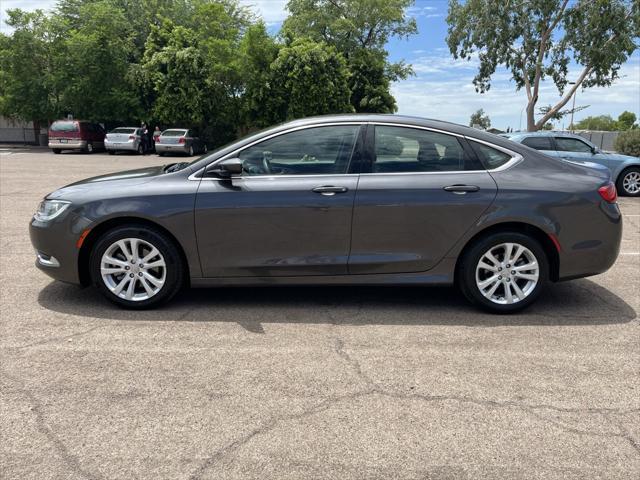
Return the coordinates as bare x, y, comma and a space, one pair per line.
423, 190
577, 150
289, 213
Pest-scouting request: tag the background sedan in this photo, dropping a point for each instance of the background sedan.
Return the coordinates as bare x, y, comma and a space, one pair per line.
124, 139
178, 140
625, 169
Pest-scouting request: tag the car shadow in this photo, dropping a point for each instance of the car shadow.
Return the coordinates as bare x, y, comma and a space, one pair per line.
580, 302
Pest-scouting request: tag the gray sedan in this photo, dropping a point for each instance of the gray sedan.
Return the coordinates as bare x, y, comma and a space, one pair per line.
345, 200
179, 140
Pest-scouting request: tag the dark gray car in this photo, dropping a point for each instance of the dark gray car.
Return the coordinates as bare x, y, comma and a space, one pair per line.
356, 199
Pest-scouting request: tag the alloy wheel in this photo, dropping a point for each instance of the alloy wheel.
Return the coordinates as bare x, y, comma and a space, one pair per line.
507, 273
133, 269
631, 183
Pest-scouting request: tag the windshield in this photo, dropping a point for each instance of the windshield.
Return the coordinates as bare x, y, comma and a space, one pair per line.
123, 130
64, 127
173, 133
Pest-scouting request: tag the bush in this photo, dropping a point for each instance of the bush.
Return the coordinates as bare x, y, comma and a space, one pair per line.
628, 142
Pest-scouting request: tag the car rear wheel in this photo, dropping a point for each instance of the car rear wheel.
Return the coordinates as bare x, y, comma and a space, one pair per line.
137, 267
111, 152
191, 151
629, 182
56, 151
503, 272
140, 150
89, 148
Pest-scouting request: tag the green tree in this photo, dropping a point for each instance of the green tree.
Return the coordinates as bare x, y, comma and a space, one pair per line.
628, 143
539, 39
309, 78
478, 118
257, 51
600, 122
627, 120
29, 88
359, 30
98, 51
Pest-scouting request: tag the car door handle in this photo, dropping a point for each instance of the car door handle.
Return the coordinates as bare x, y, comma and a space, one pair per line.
461, 189
329, 190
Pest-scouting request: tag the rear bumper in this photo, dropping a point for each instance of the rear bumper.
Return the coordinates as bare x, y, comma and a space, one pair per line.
128, 146
597, 249
171, 148
75, 145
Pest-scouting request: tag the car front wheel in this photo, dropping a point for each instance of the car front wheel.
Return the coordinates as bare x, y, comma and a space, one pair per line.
136, 267
504, 272
629, 182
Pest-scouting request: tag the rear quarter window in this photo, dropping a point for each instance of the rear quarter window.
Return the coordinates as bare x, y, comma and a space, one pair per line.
490, 157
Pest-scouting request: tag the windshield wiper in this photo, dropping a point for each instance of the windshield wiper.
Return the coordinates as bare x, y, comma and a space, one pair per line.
174, 167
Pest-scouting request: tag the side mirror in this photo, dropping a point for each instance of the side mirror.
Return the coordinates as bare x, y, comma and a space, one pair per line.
227, 168
594, 150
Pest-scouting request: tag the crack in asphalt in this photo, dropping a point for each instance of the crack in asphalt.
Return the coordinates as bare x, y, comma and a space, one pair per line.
69, 459
375, 389
58, 339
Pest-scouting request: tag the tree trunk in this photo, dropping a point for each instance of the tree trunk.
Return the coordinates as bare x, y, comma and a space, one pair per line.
531, 119
36, 131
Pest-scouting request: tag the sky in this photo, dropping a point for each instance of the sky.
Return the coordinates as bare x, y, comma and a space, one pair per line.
442, 87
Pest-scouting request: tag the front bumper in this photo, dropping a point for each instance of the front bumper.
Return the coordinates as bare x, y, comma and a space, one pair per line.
172, 148
75, 145
56, 251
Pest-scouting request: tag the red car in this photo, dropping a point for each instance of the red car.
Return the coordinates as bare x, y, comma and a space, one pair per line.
76, 135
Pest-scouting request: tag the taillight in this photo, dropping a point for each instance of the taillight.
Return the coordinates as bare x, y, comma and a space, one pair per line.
608, 192
132, 137
182, 140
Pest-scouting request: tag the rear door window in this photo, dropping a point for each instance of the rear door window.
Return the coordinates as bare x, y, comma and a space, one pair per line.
402, 149
539, 143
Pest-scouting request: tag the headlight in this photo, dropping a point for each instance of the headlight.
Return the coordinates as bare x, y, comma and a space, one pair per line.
50, 209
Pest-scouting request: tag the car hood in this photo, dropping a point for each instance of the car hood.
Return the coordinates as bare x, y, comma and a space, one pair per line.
124, 179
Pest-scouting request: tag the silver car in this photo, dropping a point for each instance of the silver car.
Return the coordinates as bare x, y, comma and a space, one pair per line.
180, 140
123, 139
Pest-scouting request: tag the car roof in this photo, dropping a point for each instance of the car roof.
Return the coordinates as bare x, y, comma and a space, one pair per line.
400, 120
546, 133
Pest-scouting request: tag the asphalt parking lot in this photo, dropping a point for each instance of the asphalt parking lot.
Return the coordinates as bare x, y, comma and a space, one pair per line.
291, 383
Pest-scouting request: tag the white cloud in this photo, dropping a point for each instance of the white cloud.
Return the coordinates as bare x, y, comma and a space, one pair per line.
271, 11
443, 89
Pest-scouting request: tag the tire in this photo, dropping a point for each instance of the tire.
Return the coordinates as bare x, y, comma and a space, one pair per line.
164, 280
161, 154
471, 274
190, 151
628, 183
111, 152
140, 150
205, 149
56, 151
89, 148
